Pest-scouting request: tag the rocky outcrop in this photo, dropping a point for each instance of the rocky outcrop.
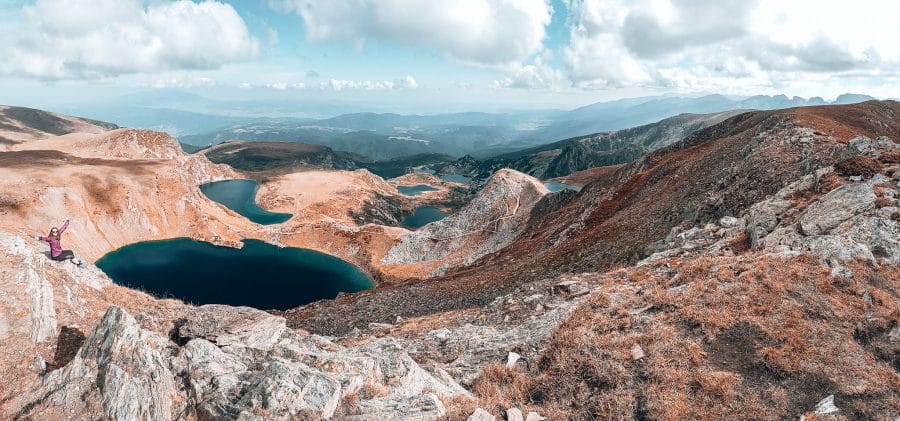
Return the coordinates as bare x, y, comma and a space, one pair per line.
232, 363
31, 278
839, 226
494, 217
837, 206
122, 372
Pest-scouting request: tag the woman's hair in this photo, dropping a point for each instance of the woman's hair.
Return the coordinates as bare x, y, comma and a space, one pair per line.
52, 234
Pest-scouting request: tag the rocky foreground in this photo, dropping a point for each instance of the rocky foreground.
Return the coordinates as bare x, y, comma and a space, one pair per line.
660, 291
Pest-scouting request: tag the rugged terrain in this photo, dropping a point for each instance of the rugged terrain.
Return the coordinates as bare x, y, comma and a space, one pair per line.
749, 270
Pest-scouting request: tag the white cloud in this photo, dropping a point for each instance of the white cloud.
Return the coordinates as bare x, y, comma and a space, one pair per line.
72, 39
405, 83
731, 44
496, 33
532, 76
184, 82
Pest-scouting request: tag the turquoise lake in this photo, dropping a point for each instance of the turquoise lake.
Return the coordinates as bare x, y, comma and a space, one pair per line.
259, 275
423, 215
415, 190
240, 196
456, 178
554, 186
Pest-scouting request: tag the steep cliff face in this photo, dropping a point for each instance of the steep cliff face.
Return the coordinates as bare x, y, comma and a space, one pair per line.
489, 222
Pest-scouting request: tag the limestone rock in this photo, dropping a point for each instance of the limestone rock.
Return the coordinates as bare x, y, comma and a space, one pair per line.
481, 415
763, 217
440, 334
862, 145
131, 371
511, 359
637, 352
285, 388
881, 236
728, 221
534, 416
573, 288
239, 326
424, 407
835, 248
826, 406
837, 206
514, 414
234, 363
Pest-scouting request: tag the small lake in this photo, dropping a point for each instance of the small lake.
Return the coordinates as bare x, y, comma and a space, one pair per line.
423, 215
415, 190
554, 186
258, 275
456, 178
240, 196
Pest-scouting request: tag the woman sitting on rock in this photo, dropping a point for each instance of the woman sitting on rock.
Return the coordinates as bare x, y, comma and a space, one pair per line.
56, 251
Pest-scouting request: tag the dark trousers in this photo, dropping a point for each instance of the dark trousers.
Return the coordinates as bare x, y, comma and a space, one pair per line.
64, 255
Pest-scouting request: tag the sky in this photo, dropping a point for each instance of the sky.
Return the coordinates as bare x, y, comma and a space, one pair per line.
446, 55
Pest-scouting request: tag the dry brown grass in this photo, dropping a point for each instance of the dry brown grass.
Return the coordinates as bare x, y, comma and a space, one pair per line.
10, 204
829, 182
371, 390
891, 157
883, 202
858, 165
419, 325
459, 407
751, 337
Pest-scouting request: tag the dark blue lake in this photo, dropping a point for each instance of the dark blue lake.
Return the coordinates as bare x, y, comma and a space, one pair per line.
414, 190
554, 186
423, 215
240, 196
258, 275
456, 178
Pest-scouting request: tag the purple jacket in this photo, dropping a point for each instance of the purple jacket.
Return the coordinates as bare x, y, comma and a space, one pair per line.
55, 247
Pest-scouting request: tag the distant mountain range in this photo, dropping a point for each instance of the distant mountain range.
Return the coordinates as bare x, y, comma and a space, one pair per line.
567, 156
199, 121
